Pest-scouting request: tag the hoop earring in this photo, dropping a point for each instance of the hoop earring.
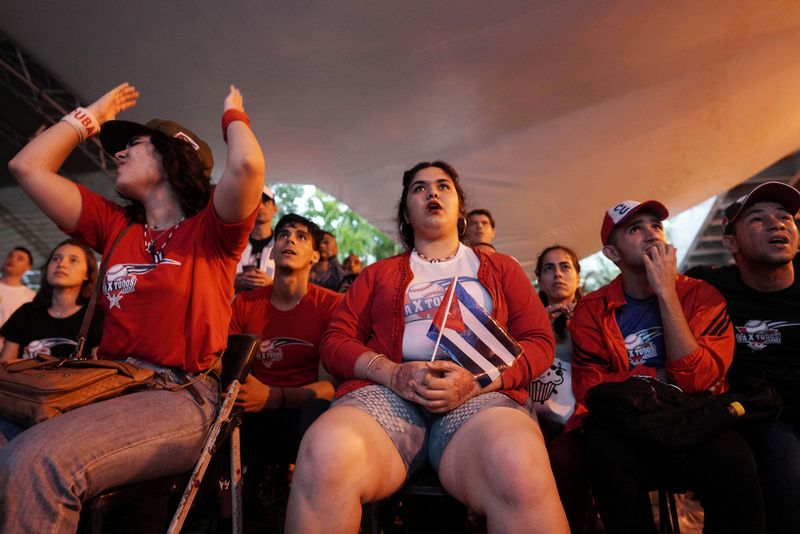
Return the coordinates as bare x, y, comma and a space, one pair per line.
463, 229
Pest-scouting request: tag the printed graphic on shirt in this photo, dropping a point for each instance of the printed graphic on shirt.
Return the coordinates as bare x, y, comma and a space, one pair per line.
544, 387
642, 349
43, 346
270, 351
758, 334
422, 299
121, 278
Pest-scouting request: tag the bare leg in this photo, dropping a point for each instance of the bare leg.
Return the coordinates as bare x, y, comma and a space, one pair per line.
345, 459
497, 464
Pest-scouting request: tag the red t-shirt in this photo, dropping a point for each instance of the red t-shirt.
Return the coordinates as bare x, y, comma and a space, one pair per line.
173, 313
289, 351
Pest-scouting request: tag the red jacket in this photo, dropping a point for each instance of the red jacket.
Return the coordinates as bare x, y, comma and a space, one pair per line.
600, 353
371, 319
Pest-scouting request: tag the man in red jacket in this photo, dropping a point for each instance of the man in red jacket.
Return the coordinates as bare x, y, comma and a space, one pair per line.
652, 321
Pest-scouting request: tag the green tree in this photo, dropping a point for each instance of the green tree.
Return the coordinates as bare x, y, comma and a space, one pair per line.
353, 233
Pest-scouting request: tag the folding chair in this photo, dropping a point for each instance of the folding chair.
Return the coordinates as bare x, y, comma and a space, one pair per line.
151, 514
422, 485
668, 512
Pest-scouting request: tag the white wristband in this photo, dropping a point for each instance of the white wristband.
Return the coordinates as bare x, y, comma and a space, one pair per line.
84, 122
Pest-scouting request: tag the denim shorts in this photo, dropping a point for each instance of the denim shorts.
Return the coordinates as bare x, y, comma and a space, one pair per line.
418, 434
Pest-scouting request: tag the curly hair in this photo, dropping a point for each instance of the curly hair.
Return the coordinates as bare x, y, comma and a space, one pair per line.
404, 230
184, 173
44, 297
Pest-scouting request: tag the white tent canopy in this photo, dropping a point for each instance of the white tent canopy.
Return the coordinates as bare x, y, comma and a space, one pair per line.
551, 111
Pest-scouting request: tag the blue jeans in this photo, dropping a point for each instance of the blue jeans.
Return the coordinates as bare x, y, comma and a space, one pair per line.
776, 448
48, 470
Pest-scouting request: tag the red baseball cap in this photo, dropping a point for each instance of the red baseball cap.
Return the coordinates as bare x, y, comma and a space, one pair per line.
623, 211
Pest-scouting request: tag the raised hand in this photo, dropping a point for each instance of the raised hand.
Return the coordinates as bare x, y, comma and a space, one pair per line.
117, 100
234, 100
661, 266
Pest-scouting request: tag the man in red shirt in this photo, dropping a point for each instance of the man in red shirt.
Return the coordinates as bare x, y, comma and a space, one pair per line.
287, 388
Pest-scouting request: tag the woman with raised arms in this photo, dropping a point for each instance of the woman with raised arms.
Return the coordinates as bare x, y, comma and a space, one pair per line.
166, 295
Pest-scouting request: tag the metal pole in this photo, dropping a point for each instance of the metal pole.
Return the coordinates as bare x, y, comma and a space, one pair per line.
205, 457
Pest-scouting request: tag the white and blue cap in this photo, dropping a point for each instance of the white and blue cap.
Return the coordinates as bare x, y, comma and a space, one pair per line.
619, 213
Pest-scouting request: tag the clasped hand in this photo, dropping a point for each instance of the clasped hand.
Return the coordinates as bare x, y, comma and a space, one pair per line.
554, 310
438, 386
253, 395
252, 279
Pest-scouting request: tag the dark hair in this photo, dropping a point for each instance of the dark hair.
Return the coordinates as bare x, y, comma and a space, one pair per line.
405, 230
325, 232
26, 251
481, 211
293, 219
184, 172
560, 323
346, 282
44, 297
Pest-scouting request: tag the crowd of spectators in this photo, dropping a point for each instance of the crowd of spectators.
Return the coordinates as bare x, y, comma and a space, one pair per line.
349, 383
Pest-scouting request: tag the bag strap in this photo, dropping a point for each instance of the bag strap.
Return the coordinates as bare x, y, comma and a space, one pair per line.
87, 318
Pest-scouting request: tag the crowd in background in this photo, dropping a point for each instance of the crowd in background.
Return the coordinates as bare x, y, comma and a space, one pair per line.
357, 380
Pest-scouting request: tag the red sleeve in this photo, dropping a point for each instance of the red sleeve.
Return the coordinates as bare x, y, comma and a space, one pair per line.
238, 315
592, 362
349, 328
529, 325
226, 239
99, 222
705, 368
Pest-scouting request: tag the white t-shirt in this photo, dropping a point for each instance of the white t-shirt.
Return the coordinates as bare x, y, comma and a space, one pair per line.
425, 293
551, 393
11, 298
267, 264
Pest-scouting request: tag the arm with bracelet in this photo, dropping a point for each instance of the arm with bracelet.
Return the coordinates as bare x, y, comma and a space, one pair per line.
35, 166
239, 188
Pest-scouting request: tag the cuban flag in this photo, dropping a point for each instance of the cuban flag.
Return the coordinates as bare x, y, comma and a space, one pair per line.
471, 337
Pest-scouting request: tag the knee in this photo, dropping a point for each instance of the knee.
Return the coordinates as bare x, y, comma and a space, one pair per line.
517, 470
330, 454
20, 468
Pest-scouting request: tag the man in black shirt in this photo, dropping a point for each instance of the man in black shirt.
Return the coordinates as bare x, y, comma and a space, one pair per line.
763, 294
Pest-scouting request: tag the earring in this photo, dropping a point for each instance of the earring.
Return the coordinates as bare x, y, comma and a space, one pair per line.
463, 228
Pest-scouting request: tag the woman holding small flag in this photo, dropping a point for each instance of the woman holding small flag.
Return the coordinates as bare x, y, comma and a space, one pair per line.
437, 346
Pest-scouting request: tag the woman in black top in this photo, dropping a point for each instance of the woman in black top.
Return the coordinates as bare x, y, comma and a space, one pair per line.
50, 324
